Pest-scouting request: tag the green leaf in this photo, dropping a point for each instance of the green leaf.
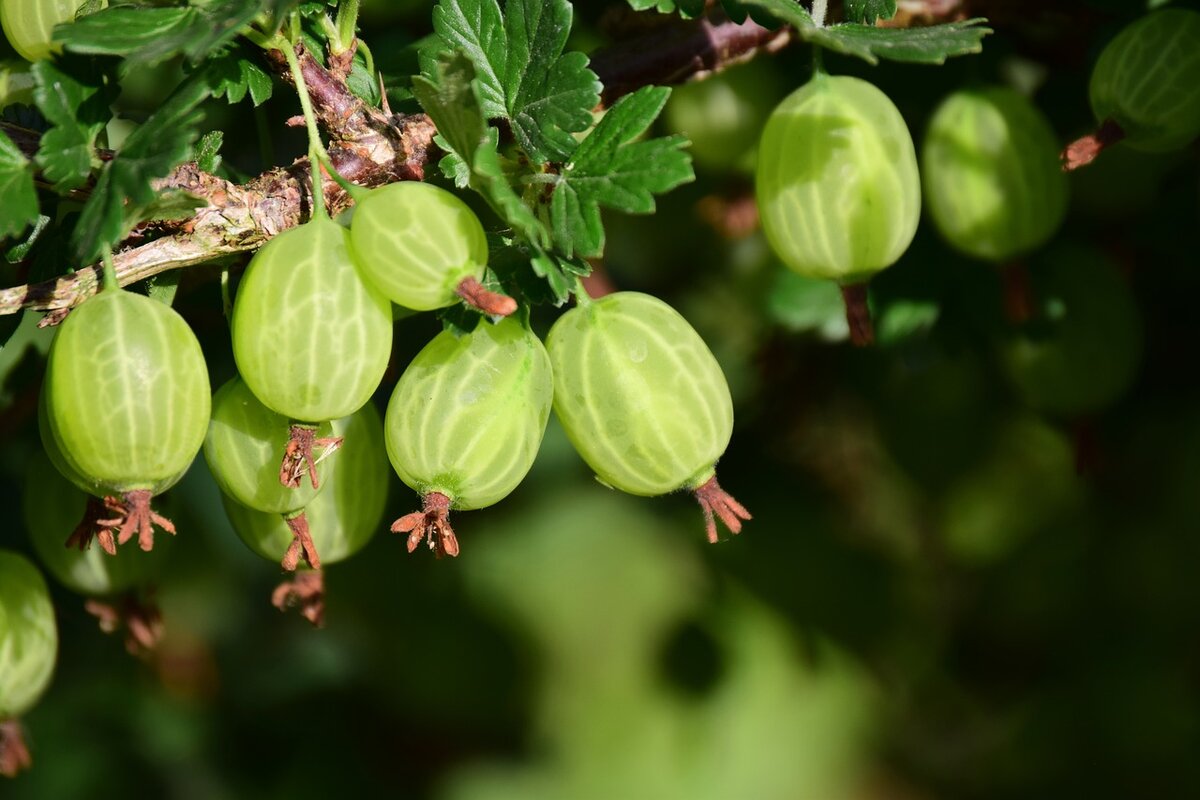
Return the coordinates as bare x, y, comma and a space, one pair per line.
611, 169
451, 97
208, 151
18, 198
523, 74
74, 98
146, 36
124, 191
867, 11
930, 45
236, 74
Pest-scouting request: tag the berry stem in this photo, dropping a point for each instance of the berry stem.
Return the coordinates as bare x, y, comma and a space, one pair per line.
316, 149
1085, 149
491, 303
432, 521
858, 314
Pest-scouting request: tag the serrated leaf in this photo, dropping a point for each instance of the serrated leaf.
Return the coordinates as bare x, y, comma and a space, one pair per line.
20, 251
123, 191
146, 36
523, 74
867, 11
74, 98
611, 169
18, 198
208, 151
451, 98
929, 45
236, 74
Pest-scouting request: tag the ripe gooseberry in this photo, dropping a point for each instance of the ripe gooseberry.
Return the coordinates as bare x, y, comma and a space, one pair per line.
643, 400
311, 339
28, 649
127, 403
424, 248
989, 166
29, 24
342, 518
837, 186
1145, 87
465, 422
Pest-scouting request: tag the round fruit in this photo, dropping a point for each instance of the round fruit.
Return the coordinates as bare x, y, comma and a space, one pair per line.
1147, 81
242, 449
418, 244
29, 24
1082, 351
723, 115
53, 507
127, 401
837, 180
310, 337
643, 400
28, 636
991, 173
348, 510
465, 422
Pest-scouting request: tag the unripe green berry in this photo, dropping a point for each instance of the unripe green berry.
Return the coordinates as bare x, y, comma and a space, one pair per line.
28, 636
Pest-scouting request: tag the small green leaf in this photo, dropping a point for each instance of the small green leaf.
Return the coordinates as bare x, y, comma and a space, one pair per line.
124, 191
146, 36
236, 74
867, 11
930, 45
614, 170
208, 151
523, 74
74, 98
20, 250
163, 286
18, 198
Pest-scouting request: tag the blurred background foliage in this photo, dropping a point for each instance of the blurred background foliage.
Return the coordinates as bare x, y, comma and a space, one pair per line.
947, 591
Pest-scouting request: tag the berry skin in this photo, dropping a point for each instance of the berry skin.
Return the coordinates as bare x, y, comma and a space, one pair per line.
310, 337
418, 244
465, 422
1147, 81
242, 449
837, 180
991, 173
127, 402
643, 400
28, 649
29, 24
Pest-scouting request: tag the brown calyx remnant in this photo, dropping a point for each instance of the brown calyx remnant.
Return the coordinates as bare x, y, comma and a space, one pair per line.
733, 215
140, 618
716, 502
90, 527
1084, 150
491, 303
134, 515
298, 457
858, 314
304, 591
1018, 294
301, 543
14, 755
432, 521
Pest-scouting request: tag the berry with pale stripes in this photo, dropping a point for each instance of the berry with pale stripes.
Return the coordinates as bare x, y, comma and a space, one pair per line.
28, 650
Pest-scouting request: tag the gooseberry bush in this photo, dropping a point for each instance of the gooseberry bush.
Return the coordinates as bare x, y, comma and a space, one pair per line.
474, 176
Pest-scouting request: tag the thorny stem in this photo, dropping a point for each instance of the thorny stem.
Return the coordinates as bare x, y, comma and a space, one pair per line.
858, 314
316, 149
1084, 150
489, 302
14, 755
716, 502
432, 523
306, 591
